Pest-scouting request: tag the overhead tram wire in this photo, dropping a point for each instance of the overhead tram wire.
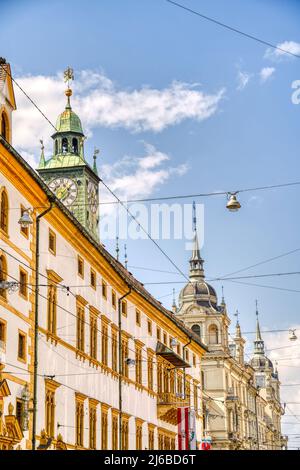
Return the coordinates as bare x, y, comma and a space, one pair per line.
182, 196
235, 30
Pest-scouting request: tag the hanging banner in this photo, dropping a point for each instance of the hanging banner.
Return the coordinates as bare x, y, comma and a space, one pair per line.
192, 430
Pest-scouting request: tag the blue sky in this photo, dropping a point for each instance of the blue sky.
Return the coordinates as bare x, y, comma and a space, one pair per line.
249, 139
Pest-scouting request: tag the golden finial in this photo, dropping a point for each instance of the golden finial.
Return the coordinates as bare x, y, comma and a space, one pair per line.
10, 409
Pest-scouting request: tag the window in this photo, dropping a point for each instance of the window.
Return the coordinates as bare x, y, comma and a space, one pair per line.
80, 327
125, 433
194, 360
114, 350
138, 364
165, 338
113, 299
2, 334
158, 333
93, 278
139, 435
4, 211
149, 327
104, 289
24, 230
178, 349
115, 430
187, 355
138, 317
22, 347
93, 428
4, 126
64, 144
104, 429
3, 275
151, 437
124, 308
20, 411
159, 377
150, 371
179, 384
213, 334
196, 398
104, 357
23, 283
74, 145
124, 356
52, 242
50, 412
80, 264
79, 428
52, 301
93, 336
196, 329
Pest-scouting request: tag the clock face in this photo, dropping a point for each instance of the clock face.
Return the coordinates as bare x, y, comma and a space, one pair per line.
65, 189
92, 197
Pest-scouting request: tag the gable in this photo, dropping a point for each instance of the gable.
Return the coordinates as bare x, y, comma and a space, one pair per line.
6, 85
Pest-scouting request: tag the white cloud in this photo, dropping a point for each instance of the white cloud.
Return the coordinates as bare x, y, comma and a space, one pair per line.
289, 46
266, 73
243, 79
138, 177
101, 103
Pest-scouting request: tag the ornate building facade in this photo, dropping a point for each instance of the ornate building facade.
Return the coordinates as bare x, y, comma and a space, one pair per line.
88, 358
241, 400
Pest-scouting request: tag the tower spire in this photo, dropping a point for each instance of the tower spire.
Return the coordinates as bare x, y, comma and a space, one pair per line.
196, 262
96, 152
42, 158
237, 326
174, 306
259, 345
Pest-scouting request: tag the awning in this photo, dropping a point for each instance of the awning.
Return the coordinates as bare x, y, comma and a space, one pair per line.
170, 356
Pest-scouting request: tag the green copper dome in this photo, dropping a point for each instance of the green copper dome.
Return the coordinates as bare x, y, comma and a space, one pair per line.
68, 121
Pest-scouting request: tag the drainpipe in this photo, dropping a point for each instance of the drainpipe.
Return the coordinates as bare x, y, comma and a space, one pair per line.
184, 373
120, 363
36, 321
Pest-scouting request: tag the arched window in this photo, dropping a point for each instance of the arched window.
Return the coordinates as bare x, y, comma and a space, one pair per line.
64, 144
4, 126
3, 275
74, 145
213, 334
196, 329
56, 147
3, 211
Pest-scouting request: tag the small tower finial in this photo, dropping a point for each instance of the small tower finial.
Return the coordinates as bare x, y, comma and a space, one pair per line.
96, 152
117, 248
174, 306
68, 76
236, 314
125, 256
223, 298
42, 158
194, 217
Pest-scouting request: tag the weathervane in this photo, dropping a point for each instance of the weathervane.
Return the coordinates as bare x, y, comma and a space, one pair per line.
68, 75
256, 312
236, 314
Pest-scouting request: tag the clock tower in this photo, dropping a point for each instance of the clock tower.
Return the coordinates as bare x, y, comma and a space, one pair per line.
67, 173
